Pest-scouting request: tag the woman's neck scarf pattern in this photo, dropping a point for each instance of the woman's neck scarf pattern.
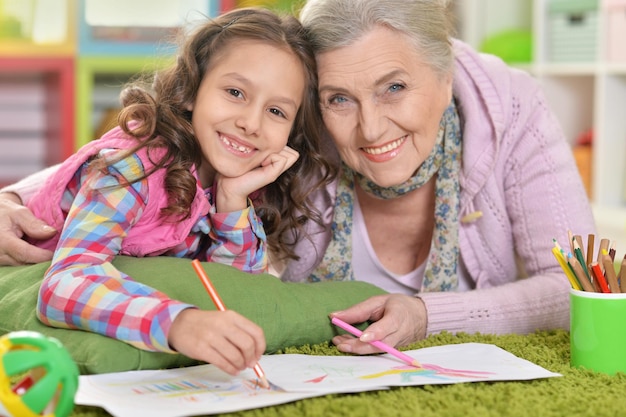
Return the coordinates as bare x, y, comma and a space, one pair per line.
445, 161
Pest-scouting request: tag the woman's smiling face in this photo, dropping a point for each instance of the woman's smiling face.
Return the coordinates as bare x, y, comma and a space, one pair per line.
382, 104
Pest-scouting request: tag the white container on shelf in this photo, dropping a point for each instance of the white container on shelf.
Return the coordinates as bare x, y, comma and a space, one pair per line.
616, 30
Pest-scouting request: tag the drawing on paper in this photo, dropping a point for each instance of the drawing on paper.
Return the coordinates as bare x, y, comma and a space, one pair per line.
177, 387
196, 389
407, 373
206, 390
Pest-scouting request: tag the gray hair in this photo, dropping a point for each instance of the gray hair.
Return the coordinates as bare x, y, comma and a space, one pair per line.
427, 23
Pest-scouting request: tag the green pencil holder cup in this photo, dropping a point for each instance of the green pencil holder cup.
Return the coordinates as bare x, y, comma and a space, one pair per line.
598, 331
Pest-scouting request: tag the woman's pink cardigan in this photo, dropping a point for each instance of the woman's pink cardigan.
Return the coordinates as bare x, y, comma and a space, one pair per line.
519, 172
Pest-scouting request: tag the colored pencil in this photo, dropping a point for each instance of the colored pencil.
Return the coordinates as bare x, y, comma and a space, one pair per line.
590, 242
604, 245
599, 276
596, 284
581, 258
380, 345
609, 271
622, 275
570, 238
583, 280
217, 300
612, 251
556, 245
569, 272
579, 240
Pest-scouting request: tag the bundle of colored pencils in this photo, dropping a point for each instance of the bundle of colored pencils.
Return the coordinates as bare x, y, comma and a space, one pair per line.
586, 273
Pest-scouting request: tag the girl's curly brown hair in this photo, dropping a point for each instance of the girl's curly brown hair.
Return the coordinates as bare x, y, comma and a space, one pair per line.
284, 206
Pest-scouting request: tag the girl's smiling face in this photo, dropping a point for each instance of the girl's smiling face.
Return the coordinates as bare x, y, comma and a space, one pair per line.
245, 107
382, 105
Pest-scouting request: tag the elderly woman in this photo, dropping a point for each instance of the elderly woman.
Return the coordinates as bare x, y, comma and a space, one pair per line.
455, 178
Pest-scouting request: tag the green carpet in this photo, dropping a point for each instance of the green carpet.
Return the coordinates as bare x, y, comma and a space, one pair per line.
577, 393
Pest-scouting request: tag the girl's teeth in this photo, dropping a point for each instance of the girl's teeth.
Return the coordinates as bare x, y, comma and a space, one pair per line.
233, 145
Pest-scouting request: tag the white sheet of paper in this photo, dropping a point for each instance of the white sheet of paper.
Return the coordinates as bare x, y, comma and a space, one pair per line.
204, 389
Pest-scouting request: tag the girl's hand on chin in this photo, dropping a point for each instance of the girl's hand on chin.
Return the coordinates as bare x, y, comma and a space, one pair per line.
232, 193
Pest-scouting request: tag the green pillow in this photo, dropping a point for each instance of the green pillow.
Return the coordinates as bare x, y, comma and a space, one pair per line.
291, 314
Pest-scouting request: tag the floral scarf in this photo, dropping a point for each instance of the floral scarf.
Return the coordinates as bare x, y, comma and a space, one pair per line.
445, 161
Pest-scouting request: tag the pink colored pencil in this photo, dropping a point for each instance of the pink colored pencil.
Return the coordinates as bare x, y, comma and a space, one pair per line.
380, 345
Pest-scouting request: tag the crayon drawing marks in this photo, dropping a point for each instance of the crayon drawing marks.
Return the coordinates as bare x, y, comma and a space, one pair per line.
319, 373
338, 371
407, 373
317, 380
197, 390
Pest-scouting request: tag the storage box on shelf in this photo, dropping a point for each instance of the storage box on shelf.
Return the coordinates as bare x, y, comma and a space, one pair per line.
573, 30
36, 114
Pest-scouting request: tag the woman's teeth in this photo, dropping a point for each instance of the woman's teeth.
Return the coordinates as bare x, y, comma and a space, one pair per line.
382, 149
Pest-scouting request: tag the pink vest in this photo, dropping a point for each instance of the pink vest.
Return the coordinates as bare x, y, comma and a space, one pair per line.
153, 234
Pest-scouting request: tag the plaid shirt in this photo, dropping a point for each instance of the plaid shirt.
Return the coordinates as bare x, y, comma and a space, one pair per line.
83, 290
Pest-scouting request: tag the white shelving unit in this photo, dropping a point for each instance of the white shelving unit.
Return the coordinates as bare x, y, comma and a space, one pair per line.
583, 95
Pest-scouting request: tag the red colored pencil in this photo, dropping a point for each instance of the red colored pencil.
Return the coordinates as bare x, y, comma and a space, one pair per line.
217, 300
599, 277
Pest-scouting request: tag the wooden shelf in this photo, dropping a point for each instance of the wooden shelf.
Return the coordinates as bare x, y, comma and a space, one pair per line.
121, 68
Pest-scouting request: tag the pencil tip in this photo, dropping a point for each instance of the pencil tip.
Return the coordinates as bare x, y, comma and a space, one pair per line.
416, 363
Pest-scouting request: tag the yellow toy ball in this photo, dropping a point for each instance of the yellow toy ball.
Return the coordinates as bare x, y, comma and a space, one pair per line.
49, 376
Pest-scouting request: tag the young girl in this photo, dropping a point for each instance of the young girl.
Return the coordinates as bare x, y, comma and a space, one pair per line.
221, 153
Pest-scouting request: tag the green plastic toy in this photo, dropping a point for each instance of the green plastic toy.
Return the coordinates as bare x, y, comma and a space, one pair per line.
514, 46
49, 376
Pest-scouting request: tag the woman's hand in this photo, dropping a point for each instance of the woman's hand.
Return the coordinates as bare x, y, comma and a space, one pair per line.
398, 319
17, 221
232, 193
226, 339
